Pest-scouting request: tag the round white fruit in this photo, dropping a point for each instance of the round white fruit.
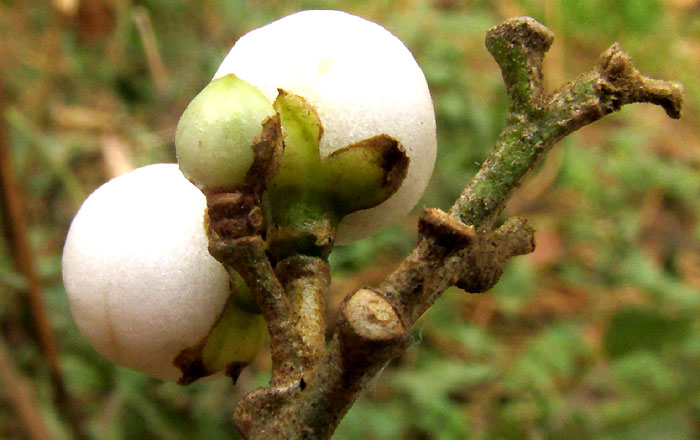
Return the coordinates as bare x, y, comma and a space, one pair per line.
141, 283
362, 81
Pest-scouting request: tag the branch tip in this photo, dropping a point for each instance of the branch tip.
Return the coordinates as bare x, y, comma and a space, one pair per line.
667, 94
522, 31
518, 46
515, 237
621, 83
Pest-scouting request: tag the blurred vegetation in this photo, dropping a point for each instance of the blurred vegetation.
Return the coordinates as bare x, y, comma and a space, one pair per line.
594, 336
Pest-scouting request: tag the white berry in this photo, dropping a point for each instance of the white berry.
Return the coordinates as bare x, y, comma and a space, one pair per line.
141, 283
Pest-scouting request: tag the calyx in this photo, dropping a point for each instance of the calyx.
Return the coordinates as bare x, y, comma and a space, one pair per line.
310, 194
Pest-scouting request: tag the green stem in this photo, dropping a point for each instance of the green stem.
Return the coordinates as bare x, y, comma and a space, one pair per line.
535, 122
301, 224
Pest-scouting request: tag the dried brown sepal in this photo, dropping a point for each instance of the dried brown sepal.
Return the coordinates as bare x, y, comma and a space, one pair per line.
190, 363
267, 157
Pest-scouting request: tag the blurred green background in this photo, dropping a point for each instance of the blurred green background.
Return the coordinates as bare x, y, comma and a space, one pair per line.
596, 335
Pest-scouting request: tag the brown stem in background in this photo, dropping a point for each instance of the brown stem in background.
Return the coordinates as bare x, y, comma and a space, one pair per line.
144, 27
17, 390
16, 231
455, 249
15, 227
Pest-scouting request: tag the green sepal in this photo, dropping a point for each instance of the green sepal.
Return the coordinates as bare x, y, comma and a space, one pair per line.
241, 294
237, 338
358, 176
302, 132
310, 195
231, 344
366, 173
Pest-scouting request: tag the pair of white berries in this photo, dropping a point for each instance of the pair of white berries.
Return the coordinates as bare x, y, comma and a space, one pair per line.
141, 284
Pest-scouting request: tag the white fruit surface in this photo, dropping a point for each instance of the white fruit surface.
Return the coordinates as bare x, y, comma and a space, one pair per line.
141, 283
362, 81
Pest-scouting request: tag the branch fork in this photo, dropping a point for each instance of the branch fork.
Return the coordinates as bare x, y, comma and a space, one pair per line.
314, 384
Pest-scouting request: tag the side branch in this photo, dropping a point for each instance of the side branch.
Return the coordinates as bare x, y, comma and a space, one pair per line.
13, 221
533, 128
485, 261
373, 328
621, 83
17, 390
